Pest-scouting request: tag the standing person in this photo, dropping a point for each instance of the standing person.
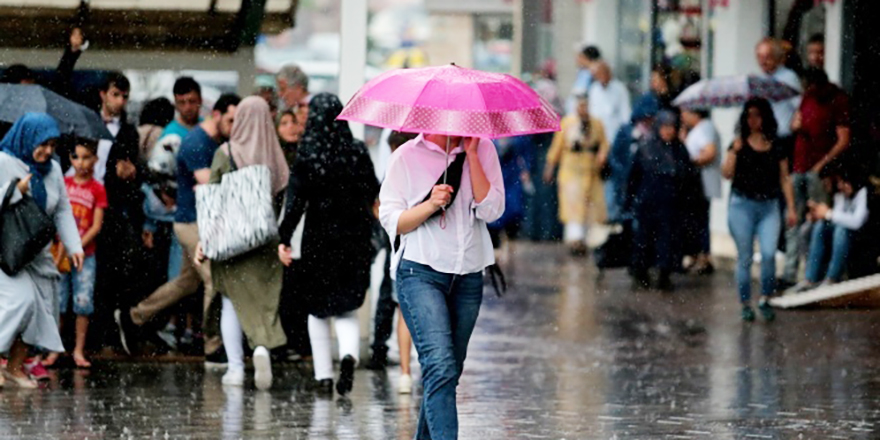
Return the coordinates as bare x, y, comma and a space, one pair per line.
580, 149
155, 116
662, 183
816, 52
194, 160
188, 103
620, 158
444, 248
334, 185
771, 58
661, 86
294, 316
609, 99
586, 58
702, 144
88, 200
28, 316
759, 170
119, 248
822, 134
251, 283
290, 131
293, 88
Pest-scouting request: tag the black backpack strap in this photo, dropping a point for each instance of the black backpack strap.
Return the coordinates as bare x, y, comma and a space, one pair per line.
454, 172
10, 191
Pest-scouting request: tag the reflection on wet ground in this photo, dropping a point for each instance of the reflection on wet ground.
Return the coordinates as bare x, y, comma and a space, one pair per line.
561, 356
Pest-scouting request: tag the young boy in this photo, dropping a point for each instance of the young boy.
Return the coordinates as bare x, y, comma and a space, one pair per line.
88, 200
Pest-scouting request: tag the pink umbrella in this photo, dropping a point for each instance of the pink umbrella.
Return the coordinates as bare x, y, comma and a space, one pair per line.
451, 100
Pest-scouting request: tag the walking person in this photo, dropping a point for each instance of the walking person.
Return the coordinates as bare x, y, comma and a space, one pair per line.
444, 246
580, 150
758, 169
334, 185
194, 159
609, 99
250, 283
88, 200
702, 144
663, 183
27, 317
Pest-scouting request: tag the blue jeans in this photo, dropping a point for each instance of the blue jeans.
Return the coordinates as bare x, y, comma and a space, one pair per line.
81, 285
441, 311
840, 238
807, 186
748, 218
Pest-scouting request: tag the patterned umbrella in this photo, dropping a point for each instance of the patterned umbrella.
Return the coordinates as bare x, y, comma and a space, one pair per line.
451, 100
731, 91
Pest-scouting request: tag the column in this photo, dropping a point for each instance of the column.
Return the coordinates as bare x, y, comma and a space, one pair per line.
834, 40
353, 54
601, 28
568, 23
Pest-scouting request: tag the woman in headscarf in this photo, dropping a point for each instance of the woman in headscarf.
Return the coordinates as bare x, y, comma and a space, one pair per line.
289, 134
662, 182
580, 149
27, 299
251, 283
334, 184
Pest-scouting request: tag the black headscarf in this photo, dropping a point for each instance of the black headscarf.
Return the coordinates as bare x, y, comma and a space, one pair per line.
328, 147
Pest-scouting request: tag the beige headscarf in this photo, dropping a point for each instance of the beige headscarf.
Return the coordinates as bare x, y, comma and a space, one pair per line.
254, 141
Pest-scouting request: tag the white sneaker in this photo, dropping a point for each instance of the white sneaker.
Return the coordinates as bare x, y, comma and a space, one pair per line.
262, 369
404, 385
234, 378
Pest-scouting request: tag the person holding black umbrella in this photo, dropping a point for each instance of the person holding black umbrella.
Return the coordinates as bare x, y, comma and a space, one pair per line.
28, 296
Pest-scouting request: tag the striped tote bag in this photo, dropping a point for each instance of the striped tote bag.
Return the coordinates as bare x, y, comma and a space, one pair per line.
236, 216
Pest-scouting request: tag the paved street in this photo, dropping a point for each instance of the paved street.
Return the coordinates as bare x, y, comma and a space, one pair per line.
562, 356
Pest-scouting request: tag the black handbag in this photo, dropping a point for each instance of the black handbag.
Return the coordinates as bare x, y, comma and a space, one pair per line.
25, 230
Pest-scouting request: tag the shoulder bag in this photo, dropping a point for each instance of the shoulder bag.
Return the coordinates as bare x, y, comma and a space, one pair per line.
25, 230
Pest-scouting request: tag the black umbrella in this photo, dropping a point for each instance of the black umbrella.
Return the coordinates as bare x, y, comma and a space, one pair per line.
72, 118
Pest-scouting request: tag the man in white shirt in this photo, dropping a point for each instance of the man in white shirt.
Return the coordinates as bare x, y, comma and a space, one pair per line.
771, 57
609, 99
293, 89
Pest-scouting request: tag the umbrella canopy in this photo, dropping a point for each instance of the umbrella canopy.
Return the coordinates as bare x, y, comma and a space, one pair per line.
72, 118
732, 91
451, 100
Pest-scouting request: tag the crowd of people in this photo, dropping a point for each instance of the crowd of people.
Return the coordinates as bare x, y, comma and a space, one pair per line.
654, 169
128, 263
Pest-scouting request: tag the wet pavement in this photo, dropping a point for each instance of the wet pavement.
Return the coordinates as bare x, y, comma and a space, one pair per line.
561, 356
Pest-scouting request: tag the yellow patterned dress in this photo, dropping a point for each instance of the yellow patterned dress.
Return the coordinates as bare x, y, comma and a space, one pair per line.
575, 150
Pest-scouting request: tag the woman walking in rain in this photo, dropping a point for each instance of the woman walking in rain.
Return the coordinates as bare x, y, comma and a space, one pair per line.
334, 185
759, 170
251, 283
580, 149
27, 314
442, 246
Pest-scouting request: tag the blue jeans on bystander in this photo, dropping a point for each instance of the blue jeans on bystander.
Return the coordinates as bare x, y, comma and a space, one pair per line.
440, 311
840, 239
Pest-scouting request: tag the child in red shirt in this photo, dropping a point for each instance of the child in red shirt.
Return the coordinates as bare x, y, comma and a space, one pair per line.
88, 200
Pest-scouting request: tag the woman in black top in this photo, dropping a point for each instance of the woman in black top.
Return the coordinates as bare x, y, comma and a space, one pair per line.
759, 170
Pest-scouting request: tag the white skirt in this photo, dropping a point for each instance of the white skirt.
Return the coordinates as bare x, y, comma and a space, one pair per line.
28, 306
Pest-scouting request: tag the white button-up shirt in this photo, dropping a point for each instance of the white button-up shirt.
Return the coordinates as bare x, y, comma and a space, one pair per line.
785, 110
464, 245
611, 105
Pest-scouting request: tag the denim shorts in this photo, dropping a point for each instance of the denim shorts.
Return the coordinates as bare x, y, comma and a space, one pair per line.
82, 284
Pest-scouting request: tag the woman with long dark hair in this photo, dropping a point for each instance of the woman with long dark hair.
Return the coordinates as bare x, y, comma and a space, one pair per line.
28, 298
758, 168
334, 185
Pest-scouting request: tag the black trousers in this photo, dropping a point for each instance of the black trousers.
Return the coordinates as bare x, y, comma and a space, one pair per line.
383, 322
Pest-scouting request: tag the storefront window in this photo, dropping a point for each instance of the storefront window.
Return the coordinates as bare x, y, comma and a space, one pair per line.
678, 38
634, 49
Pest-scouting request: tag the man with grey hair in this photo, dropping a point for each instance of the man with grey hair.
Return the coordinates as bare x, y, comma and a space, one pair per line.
293, 86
